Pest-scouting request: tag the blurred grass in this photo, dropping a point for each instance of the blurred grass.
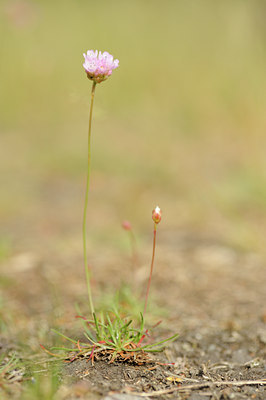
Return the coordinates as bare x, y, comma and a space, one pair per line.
181, 123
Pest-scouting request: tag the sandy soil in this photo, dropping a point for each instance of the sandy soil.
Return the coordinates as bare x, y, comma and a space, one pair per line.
212, 295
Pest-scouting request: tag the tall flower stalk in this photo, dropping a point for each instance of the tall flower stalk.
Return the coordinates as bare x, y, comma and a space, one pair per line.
156, 216
84, 225
98, 66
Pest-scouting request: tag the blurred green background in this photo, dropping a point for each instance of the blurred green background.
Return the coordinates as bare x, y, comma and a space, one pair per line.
181, 123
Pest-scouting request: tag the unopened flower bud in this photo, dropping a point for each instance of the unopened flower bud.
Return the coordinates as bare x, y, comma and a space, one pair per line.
157, 215
126, 225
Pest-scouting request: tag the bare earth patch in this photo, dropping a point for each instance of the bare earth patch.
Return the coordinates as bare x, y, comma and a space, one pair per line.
214, 296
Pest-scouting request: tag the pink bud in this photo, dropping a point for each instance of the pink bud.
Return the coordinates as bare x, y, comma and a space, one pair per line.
157, 215
126, 225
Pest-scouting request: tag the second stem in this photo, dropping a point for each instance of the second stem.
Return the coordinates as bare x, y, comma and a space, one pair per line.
152, 263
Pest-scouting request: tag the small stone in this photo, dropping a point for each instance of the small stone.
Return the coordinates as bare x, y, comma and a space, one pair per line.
262, 336
240, 356
197, 396
122, 396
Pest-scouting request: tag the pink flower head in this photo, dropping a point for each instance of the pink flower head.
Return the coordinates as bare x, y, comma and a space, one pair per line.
157, 215
98, 66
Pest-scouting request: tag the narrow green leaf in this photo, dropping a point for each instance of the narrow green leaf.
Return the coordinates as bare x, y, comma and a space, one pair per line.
64, 336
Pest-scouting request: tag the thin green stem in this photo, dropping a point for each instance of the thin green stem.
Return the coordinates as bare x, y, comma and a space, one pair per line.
84, 230
152, 263
133, 250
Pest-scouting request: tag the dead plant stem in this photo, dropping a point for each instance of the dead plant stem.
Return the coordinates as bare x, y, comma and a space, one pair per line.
199, 386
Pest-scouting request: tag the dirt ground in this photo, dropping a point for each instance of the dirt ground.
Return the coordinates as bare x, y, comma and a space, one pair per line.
212, 295
180, 124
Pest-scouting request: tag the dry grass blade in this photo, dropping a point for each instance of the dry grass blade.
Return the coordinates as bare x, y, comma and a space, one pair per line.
200, 386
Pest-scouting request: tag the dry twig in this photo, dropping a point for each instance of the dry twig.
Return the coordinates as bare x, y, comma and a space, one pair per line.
199, 386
